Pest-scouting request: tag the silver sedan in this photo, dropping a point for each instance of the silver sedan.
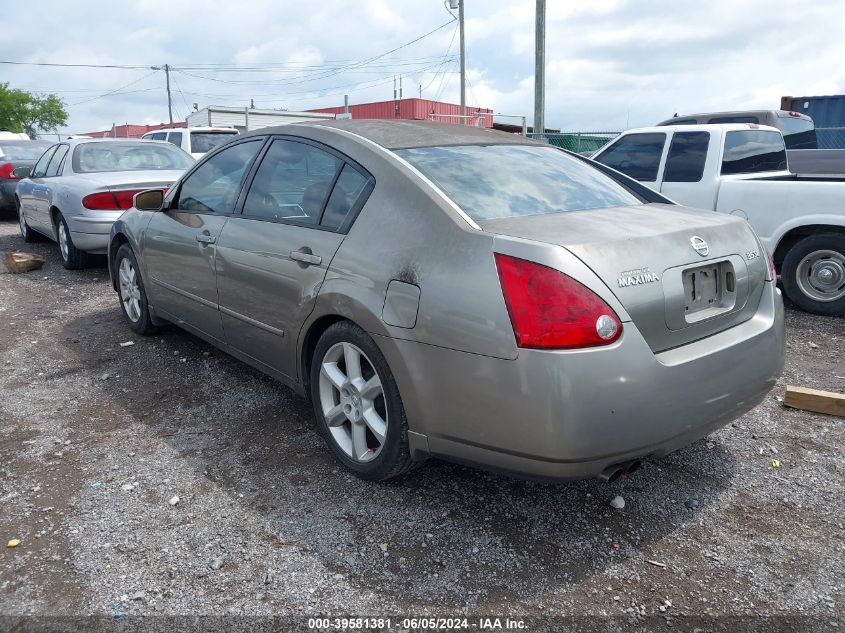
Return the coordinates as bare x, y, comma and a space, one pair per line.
78, 188
443, 290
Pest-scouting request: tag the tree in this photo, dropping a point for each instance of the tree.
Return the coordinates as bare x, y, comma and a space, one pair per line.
22, 111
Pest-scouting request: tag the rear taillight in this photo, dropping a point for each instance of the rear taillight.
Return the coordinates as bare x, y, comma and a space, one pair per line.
550, 310
772, 273
109, 200
7, 171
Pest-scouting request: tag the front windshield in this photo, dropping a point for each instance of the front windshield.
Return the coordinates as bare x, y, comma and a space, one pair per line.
128, 156
502, 181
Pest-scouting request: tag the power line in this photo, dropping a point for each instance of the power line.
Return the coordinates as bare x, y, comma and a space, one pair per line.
111, 92
76, 65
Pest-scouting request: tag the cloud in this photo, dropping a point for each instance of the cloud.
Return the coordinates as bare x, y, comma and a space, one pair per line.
610, 63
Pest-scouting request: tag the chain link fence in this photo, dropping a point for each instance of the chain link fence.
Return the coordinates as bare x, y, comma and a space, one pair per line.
579, 142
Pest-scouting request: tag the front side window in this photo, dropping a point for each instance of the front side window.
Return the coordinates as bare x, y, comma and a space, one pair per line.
752, 151
128, 156
202, 142
41, 166
292, 183
635, 155
58, 159
504, 181
687, 155
214, 186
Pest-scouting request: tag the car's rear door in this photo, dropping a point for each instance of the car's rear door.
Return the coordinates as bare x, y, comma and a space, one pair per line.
273, 257
180, 242
32, 194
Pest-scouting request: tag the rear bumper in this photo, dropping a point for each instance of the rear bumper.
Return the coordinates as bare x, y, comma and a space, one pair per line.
572, 414
91, 232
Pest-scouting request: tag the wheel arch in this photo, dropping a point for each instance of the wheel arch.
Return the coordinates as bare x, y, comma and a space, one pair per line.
796, 234
117, 240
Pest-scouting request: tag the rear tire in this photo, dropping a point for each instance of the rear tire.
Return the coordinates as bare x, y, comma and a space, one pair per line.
130, 290
813, 274
29, 236
72, 258
352, 386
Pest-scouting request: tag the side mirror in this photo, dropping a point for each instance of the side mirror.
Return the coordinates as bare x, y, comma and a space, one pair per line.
151, 200
22, 172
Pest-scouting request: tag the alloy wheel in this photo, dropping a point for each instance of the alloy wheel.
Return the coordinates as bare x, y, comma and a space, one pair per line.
63, 240
821, 275
130, 292
352, 401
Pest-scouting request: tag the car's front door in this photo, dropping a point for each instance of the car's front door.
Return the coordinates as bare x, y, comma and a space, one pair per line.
180, 242
273, 257
33, 193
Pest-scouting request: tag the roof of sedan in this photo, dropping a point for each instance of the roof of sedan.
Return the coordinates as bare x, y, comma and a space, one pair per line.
405, 134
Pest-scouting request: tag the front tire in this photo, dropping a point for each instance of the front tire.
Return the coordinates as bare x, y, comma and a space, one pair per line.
357, 404
72, 258
813, 274
130, 289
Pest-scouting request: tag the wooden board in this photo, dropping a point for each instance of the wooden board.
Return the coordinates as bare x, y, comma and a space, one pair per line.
814, 400
23, 262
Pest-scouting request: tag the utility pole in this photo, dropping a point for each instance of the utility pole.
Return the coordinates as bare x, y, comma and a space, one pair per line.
540, 69
169, 100
166, 68
463, 61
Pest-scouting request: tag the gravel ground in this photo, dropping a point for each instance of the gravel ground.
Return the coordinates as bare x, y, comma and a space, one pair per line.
97, 440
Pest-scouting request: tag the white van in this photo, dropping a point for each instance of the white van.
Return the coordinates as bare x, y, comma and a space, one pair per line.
194, 140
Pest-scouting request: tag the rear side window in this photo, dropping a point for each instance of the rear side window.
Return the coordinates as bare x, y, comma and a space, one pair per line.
214, 186
350, 188
752, 151
157, 136
681, 122
734, 119
292, 183
635, 155
202, 142
505, 181
57, 160
175, 138
687, 155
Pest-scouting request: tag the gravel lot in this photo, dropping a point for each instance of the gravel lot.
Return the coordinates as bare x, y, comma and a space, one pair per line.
96, 439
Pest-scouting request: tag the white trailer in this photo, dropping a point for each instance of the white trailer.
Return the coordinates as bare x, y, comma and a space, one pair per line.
246, 119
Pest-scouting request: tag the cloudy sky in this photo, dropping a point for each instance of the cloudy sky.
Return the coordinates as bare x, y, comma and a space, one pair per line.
610, 63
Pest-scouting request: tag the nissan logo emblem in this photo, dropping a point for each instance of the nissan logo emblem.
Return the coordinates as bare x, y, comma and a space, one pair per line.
700, 246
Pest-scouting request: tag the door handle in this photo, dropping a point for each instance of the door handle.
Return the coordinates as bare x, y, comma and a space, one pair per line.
306, 258
206, 239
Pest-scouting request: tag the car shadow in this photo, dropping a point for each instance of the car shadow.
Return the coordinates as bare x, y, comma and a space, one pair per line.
443, 533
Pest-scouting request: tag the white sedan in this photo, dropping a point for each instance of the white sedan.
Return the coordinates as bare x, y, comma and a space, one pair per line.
79, 187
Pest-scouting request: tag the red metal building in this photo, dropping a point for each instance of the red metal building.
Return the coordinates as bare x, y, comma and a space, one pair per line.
415, 109
132, 131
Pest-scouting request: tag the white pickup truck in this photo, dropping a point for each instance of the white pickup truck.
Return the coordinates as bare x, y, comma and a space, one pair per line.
741, 169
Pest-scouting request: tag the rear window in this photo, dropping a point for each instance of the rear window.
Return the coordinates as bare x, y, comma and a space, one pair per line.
798, 133
202, 142
23, 150
748, 152
636, 155
128, 156
504, 181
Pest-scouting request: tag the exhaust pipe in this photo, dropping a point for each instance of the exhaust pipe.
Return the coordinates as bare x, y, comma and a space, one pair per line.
620, 471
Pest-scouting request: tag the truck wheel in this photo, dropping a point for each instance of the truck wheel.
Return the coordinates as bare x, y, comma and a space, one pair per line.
813, 274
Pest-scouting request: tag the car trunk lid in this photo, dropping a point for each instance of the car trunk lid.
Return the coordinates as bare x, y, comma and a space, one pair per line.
681, 274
